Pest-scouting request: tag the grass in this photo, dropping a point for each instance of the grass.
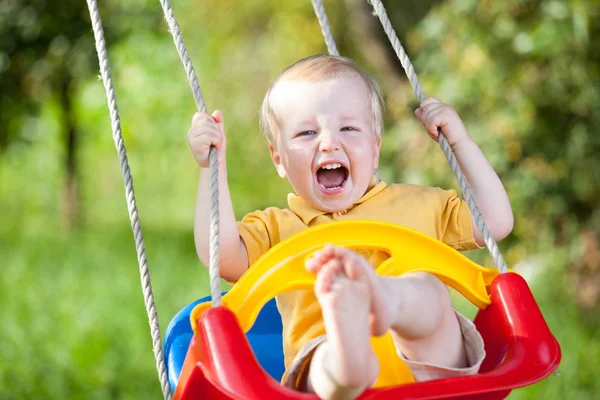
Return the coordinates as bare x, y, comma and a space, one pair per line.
74, 321
74, 324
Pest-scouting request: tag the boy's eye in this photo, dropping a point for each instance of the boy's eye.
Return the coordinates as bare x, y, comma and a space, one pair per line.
306, 133
348, 128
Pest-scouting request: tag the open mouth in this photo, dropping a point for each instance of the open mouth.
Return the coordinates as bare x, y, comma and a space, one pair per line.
332, 177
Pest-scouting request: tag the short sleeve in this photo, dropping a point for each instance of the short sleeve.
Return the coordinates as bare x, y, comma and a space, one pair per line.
456, 228
260, 231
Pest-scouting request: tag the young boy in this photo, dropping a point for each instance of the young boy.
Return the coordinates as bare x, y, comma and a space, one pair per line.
323, 119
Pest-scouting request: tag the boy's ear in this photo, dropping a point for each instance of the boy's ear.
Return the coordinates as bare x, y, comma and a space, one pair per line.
276, 157
377, 149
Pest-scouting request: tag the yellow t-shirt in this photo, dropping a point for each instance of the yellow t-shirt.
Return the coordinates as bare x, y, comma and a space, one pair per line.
433, 211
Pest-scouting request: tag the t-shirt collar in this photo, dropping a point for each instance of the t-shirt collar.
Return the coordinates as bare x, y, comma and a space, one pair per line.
307, 213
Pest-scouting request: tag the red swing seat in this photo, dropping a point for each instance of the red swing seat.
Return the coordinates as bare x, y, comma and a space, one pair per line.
520, 350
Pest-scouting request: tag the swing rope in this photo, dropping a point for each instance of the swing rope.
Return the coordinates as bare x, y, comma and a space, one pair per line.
130, 196
215, 279
325, 29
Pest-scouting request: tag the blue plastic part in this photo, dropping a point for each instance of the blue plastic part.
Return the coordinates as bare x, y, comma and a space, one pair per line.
264, 337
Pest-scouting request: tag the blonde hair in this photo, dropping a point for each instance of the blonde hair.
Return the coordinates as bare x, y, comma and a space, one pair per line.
321, 68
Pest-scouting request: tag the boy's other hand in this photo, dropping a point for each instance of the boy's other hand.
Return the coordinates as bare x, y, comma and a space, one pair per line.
206, 131
434, 114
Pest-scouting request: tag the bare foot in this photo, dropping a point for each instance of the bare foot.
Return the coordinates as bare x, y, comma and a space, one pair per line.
343, 290
381, 313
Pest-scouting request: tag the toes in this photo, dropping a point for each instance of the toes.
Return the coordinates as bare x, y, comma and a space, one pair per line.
356, 267
319, 258
327, 276
312, 265
353, 267
342, 253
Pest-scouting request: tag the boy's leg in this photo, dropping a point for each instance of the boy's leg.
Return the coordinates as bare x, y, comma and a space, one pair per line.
344, 365
357, 303
416, 307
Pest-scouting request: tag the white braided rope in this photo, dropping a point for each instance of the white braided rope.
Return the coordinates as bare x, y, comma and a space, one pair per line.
464, 185
215, 280
325, 29
130, 196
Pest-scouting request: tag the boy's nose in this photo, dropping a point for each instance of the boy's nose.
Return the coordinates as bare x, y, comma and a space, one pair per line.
329, 142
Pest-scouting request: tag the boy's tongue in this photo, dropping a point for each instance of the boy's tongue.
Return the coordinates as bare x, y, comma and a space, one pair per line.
331, 178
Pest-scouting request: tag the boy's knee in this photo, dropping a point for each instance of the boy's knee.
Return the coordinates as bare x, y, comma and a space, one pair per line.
432, 285
437, 307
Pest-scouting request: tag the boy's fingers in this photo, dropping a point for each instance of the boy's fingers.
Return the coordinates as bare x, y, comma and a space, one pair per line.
217, 115
198, 117
430, 111
431, 117
430, 100
212, 133
433, 130
219, 119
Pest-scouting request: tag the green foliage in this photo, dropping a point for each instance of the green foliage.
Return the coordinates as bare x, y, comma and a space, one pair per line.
523, 74
74, 323
44, 47
532, 96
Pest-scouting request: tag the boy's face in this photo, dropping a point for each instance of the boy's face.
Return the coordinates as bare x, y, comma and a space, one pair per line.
326, 144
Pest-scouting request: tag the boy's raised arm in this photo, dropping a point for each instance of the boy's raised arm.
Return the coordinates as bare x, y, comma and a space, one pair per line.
488, 191
206, 131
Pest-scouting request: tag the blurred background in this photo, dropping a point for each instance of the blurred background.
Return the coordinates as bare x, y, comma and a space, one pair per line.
523, 74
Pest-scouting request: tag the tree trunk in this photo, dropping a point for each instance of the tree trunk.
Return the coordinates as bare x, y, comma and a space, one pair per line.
70, 198
366, 31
